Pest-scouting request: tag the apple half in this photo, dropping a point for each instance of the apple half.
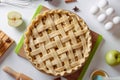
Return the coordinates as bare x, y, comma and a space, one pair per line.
113, 57
14, 19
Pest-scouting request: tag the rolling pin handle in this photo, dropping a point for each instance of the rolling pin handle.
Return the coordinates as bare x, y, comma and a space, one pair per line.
11, 72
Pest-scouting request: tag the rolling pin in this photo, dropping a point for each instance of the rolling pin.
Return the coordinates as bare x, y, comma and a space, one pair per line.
16, 75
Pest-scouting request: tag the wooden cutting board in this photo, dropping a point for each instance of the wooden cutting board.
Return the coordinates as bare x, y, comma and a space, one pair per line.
6, 43
96, 40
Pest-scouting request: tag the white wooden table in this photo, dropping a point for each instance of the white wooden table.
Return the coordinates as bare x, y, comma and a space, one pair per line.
111, 39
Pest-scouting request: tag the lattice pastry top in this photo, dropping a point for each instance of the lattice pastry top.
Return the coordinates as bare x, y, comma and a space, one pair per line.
57, 42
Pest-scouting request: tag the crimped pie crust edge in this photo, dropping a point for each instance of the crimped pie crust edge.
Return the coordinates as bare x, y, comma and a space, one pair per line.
32, 25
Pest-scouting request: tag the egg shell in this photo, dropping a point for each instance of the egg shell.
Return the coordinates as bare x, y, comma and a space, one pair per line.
101, 17
116, 20
94, 10
108, 25
109, 11
102, 3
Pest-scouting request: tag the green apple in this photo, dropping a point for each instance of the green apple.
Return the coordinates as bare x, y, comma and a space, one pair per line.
113, 57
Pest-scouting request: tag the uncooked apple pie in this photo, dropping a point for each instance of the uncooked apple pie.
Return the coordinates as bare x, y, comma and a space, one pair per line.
57, 42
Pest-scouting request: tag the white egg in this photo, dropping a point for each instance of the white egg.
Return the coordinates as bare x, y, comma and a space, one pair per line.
116, 20
102, 3
108, 25
101, 17
94, 10
109, 11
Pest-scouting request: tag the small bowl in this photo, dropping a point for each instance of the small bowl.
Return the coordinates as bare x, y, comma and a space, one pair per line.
98, 72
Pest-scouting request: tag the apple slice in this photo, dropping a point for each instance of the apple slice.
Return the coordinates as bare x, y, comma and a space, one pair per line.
113, 57
14, 19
